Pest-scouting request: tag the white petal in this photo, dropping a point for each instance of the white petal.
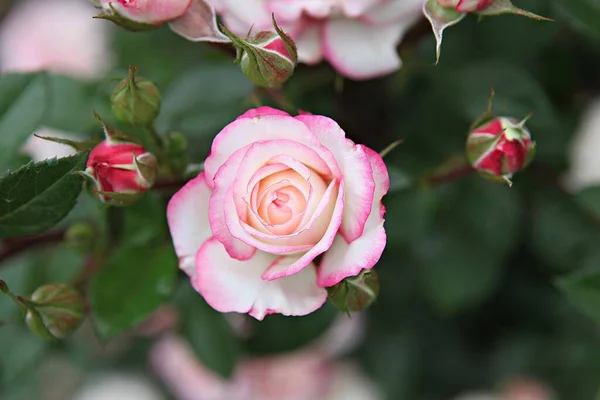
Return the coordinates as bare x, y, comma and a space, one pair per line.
199, 23
187, 215
230, 285
360, 51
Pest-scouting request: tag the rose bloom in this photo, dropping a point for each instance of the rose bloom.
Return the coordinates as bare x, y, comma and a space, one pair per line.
276, 192
357, 37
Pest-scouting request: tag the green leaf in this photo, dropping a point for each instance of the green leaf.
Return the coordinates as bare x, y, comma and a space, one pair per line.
23, 99
589, 199
134, 283
582, 14
209, 334
39, 195
583, 290
200, 103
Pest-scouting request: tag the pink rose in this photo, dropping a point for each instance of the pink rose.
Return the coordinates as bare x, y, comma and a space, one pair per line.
193, 19
54, 35
358, 37
278, 191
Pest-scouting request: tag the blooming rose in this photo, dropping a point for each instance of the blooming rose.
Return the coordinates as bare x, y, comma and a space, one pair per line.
358, 37
54, 35
192, 19
278, 191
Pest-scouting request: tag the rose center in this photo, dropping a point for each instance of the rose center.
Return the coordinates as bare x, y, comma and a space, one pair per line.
283, 204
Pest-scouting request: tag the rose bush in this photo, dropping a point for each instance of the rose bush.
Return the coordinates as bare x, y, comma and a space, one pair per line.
357, 37
278, 191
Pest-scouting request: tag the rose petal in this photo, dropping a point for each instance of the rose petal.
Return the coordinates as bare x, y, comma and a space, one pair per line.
343, 259
291, 265
199, 23
308, 42
262, 112
245, 131
230, 285
356, 170
361, 51
187, 216
405, 13
216, 210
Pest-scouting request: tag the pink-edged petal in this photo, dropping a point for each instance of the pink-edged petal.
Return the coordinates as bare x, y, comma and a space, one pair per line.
404, 12
199, 24
308, 42
292, 264
216, 211
230, 285
345, 259
262, 112
356, 170
187, 216
360, 51
303, 239
240, 16
245, 131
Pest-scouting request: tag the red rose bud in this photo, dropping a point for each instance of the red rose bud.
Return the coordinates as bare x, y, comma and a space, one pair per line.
136, 100
268, 58
355, 293
55, 311
500, 147
121, 171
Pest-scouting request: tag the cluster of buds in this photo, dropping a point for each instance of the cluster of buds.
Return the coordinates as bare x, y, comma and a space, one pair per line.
497, 147
195, 20
443, 14
267, 58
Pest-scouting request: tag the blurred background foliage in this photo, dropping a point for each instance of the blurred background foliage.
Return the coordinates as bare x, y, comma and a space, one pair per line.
479, 282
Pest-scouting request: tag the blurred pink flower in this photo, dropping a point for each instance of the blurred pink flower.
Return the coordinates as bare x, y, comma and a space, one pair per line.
309, 374
54, 35
358, 37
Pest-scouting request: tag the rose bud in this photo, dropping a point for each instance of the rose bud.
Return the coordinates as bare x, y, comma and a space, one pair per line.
121, 171
55, 311
500, 147
355, 293
193, 19
268, 58
465, 6
136, 100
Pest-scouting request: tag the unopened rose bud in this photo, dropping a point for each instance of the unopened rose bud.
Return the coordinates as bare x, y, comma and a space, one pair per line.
141, 15
136, 100
268, 58
465, 6
55, 311
80, 237
355, 293
121, 171
500, 147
